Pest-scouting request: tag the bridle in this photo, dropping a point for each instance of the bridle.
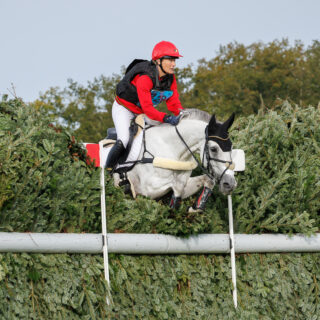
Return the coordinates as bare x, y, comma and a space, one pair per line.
229, 164
208, 170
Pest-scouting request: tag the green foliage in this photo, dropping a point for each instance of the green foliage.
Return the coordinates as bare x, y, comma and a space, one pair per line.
47, 186
45, 183
312, 74
45, 180
52, 287
278, 192
239, 79
86, 110
143, 215
270, 286
242, 78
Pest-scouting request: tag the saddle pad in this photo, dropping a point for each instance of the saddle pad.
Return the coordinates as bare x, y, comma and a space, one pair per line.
174, 164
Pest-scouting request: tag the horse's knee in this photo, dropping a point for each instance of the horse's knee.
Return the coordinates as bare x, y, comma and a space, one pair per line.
209, 183
179, 185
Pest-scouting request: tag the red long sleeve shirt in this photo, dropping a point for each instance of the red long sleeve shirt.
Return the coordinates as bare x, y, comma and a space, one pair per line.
144, 85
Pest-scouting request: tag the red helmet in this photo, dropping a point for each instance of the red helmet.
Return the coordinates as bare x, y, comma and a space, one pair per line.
165, 49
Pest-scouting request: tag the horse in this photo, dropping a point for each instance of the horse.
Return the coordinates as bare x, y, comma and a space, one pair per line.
198, 133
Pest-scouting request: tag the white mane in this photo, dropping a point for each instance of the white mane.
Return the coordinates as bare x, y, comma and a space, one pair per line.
196, 114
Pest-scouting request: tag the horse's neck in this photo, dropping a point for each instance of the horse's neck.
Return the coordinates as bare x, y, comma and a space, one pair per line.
193, 133
165, 142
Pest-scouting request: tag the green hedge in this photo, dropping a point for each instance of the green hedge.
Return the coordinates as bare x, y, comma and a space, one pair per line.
61, 286
278, 192
46, 185
280, 189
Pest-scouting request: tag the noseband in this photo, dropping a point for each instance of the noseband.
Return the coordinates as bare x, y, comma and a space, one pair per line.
208, 170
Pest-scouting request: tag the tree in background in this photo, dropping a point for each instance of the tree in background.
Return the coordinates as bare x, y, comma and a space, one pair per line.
312, 78
240, 79
86, 110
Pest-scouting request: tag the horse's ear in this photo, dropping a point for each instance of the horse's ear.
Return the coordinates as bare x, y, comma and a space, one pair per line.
212, 123
229, 122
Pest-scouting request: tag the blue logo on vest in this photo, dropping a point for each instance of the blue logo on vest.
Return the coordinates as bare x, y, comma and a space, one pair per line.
159, 96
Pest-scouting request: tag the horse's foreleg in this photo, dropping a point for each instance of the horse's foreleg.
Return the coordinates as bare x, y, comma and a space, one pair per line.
194, 184
175, 202
178, 187
184, 186
201, 202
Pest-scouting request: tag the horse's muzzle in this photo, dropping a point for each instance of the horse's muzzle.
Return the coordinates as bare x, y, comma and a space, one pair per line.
227, 184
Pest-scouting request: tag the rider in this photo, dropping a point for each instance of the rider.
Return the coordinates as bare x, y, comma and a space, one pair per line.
144, 86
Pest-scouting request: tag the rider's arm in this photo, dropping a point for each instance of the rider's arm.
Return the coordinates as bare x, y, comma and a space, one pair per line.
173, 103
144, 86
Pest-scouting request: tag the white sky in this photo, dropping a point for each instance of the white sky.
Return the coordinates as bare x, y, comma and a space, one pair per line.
43, 43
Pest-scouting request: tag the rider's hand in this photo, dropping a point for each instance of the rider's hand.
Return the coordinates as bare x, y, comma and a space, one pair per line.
171, 119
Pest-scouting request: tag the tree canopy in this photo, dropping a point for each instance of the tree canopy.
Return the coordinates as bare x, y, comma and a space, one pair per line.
84, 109
239, 79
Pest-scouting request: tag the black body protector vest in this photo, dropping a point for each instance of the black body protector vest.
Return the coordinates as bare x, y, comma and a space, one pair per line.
161, 87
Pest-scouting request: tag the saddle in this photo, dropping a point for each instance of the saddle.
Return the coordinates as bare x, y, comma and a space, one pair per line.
136, 127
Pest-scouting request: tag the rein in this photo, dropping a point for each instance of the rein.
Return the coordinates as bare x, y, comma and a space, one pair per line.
203, 169
208, 171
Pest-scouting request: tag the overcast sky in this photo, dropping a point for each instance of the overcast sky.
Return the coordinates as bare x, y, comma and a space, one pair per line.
44, 43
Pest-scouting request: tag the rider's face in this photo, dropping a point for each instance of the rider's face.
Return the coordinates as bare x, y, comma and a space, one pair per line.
168, 65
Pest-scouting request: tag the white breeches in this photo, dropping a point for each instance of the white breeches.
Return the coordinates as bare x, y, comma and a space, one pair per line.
121, 118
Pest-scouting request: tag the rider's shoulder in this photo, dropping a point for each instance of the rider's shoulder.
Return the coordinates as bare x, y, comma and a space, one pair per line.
145, 81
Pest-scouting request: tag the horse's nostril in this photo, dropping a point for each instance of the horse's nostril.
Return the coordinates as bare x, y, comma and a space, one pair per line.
226, 185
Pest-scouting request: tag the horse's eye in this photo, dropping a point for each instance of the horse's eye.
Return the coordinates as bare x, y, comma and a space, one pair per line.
214, 149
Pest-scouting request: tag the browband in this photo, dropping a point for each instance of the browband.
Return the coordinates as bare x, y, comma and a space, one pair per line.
224, 139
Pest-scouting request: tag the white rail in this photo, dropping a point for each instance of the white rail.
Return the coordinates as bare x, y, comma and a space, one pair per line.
155, 243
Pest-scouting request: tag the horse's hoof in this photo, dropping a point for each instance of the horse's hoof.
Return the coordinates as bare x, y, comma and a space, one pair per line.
192, 210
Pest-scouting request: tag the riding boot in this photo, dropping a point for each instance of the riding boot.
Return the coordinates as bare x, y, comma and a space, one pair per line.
175, 202
114, 155
201, 202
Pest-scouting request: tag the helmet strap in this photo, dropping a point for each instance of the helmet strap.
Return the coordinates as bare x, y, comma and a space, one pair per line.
157, 74
161, 66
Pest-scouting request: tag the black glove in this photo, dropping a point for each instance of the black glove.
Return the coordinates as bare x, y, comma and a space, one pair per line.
171, 119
